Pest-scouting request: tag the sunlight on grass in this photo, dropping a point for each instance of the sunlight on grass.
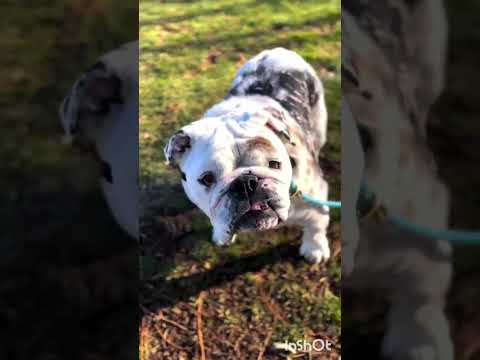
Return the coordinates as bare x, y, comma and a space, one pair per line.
188, 60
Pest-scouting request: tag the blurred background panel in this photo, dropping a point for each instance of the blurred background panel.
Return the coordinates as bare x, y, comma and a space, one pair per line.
258, 291
68, 274
454, 138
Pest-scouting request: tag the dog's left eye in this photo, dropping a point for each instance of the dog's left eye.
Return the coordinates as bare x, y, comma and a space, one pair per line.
207, 179
273, 164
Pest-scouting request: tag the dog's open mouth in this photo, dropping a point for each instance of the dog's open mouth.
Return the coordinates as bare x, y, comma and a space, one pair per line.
259, 216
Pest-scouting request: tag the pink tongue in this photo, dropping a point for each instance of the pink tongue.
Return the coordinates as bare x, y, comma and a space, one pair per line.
258, 206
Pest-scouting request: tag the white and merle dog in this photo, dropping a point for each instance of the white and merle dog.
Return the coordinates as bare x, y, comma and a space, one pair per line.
393, 55
237, 162
100, 114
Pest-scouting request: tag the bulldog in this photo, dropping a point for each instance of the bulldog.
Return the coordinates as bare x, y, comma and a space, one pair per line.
393, 70
100, 115
238, 161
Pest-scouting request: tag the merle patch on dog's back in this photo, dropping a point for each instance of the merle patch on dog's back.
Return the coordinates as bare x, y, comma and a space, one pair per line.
294, 87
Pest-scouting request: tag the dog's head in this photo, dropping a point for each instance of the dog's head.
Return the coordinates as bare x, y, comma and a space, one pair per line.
99, 115
236, 170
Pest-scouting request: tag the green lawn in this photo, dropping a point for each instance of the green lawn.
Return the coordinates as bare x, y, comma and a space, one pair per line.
258, 291
190, 52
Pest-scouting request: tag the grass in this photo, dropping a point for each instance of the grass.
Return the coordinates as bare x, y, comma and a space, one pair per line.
191, 51
258, 291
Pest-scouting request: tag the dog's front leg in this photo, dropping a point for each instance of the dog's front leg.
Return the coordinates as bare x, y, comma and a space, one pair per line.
315, 247
314, 220
417, 326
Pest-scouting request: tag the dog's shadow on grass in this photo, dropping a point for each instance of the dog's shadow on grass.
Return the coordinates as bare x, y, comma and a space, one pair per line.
174, 229
172, 226
169, 292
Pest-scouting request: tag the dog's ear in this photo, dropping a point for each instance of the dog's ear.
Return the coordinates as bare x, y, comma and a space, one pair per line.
101, 87
176, 147
426, 43
93, 93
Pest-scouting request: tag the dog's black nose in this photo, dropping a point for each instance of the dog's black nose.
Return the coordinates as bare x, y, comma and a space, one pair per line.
244, 186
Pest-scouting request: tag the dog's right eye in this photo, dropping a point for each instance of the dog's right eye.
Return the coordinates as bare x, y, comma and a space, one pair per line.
207, 179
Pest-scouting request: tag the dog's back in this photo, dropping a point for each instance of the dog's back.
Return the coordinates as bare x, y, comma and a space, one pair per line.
287, 78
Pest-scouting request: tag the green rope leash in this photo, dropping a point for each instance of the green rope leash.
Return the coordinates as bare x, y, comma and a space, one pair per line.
311, 200
367, 201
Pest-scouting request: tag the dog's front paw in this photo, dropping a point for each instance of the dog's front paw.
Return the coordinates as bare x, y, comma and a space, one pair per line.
315, 250
422, 352
418, 333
